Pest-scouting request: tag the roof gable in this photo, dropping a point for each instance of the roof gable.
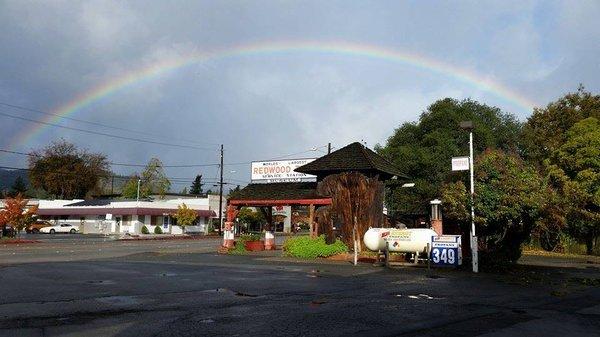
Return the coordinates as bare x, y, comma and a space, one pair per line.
352, 157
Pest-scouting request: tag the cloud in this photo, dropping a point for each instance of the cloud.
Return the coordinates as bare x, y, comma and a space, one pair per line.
261, 106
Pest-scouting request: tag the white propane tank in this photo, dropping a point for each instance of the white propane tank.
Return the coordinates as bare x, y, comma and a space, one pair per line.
400, 240
374, 238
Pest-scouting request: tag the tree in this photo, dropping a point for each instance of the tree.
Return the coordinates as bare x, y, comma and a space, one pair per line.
248, 216
234, 191
546, 129
18, 187
509, 197
16, 213
185, 216
424, 150
575, 167
153, 181
65, 171
196, 188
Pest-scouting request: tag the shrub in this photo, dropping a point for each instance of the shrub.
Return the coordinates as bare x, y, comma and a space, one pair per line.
250, 237
240, 247
158, 230
145, 230
308, 248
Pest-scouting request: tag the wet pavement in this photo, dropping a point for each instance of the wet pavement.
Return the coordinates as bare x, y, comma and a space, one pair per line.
182, 288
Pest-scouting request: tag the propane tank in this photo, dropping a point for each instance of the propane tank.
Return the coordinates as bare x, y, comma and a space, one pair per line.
399, 240
374, 238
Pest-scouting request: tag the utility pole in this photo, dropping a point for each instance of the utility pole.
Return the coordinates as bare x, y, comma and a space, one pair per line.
474, 248
221, 193
328, 148
468, 125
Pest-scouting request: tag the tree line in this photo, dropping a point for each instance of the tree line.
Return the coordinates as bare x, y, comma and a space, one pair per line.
537, 179
62, 170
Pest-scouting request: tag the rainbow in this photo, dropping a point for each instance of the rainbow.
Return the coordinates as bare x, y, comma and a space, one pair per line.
113, 86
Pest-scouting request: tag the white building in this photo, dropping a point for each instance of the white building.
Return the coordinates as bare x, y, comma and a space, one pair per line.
130, 216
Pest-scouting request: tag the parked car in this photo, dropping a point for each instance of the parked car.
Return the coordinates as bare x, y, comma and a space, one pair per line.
37, 225
8, 230
62, 228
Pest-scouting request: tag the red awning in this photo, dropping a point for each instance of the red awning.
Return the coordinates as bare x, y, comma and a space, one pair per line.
116, 211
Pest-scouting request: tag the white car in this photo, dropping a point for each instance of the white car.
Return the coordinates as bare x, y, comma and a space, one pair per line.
62, 228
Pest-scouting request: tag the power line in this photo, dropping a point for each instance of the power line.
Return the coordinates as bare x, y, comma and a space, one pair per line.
14, 106
171, 179
106, 134
120, 164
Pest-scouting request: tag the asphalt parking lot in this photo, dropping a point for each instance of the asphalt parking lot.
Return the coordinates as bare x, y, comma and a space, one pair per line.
183, 288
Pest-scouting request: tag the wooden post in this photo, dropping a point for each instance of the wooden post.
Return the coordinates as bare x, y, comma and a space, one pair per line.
311, 219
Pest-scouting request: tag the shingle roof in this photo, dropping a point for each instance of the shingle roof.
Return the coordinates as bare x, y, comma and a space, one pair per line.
353, 157
278, 191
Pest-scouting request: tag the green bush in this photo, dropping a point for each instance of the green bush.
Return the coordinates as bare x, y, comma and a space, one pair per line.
250, 237
158, 230
240, 247
307, 248
145, 230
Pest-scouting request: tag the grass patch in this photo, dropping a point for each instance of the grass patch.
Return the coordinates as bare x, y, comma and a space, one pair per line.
307, 248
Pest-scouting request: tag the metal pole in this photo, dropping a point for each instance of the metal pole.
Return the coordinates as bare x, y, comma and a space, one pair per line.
138, 190
474, 247
328, 148
221, 193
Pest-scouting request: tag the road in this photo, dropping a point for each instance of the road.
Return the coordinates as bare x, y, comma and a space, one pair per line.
183, 288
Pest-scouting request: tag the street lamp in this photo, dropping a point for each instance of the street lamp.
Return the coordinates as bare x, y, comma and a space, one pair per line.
138, 190
468, 125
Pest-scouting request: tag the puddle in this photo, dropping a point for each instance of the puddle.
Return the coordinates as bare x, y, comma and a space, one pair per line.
119, 300
316, 303
419, 297
207, 320
245, 295
167, 274
224, 290
101, 282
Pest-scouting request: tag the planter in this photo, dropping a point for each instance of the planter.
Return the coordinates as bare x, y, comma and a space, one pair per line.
254, 246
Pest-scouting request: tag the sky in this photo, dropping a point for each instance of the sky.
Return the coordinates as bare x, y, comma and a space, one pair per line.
272, 79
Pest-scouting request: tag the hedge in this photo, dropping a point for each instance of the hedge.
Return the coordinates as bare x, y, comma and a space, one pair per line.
308, 248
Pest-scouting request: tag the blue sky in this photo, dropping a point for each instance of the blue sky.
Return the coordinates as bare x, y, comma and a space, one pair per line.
267, 106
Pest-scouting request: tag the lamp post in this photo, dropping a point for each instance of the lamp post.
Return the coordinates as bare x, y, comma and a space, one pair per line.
468, 125
138, 190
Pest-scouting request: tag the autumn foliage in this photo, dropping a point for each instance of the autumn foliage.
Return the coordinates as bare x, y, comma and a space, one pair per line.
16, 213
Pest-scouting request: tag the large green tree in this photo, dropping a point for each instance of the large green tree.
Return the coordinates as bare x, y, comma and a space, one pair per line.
152, 180
575, 168
423, 150
65, 171
509, 196
546, 129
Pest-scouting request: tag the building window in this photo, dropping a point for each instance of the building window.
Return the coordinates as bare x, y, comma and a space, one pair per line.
166, 219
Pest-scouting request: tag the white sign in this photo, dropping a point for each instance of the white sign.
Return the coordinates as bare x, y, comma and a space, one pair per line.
280, 171
460, 163
108, 216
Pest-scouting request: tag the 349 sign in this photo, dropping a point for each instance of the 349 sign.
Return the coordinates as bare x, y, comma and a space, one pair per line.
444, 255
445, 250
